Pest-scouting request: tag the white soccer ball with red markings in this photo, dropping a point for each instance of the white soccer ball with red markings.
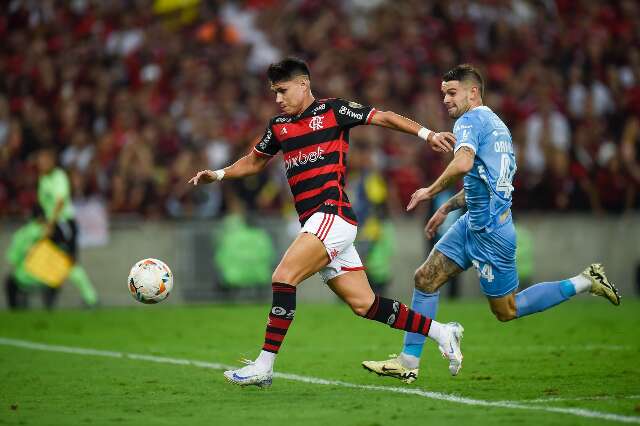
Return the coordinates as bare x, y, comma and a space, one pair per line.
150, 281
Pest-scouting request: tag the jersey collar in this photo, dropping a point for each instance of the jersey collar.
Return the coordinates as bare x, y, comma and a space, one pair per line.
306, 111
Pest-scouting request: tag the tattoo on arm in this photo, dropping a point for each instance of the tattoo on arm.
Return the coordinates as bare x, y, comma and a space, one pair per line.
466, 151
456, 202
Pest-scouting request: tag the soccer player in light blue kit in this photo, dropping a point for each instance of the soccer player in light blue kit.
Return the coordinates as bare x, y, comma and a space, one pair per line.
484, 237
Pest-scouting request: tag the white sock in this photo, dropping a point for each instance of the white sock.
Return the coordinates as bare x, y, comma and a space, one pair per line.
266, 359
581, 283
409, 361
437, 332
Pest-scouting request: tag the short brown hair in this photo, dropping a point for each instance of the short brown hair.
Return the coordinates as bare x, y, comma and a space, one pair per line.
465, 72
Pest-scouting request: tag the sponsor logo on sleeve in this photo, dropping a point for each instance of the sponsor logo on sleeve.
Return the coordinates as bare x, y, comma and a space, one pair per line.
265, 140
351, 114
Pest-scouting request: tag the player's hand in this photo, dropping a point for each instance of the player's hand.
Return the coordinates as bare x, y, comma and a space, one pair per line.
434, 223
442, 142
203, 176
420, 195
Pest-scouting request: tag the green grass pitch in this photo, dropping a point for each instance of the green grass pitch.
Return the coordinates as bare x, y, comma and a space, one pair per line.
579, 358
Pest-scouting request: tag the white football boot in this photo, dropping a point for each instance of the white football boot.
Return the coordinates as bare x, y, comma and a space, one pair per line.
600, 285
393, 368
251, 374
450, 348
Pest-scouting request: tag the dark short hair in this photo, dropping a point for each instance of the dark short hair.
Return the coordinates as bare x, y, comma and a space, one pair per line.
287, 69
465, 72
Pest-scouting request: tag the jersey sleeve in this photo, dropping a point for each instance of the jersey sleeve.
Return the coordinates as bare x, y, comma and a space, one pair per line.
466, 132
267, 146
350, 114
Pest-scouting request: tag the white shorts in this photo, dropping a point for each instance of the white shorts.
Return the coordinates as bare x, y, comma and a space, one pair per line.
337, 235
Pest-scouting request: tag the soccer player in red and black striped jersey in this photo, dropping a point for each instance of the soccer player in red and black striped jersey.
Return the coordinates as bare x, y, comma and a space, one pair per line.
313, 136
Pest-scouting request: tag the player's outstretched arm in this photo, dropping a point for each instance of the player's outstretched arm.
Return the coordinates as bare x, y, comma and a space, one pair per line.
441, 142
248, 165
454, 203
458, 167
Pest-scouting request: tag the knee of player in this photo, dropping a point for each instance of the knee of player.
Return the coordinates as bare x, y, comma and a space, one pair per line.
422, 283
359, 308
419, 278
505, 316
283, 276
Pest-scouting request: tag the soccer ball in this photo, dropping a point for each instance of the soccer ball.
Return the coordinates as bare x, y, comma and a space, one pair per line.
150, 281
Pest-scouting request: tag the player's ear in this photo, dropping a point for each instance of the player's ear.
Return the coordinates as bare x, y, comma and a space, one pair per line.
475, 92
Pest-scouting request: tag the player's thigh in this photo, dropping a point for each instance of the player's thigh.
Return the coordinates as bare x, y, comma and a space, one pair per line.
504, 307
354, 289
304, 257
493, 256
435, 271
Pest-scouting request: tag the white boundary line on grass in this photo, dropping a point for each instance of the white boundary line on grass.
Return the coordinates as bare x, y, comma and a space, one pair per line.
317, 381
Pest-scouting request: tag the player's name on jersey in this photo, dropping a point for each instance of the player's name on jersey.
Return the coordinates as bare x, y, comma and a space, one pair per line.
503, 146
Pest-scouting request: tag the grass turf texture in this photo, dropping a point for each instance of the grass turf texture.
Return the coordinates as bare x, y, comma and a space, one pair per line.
584, 348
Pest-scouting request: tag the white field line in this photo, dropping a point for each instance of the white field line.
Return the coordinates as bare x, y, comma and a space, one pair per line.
562, 348
317, 381
580, 398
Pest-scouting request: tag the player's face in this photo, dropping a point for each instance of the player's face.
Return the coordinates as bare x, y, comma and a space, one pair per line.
45, 161
290, 95
456, 97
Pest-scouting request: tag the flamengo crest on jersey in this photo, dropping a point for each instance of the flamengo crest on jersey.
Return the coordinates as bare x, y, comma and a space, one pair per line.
314, 146
489, 184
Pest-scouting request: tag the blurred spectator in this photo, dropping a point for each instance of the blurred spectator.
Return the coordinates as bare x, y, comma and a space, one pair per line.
547, 141
232, 258
369, 193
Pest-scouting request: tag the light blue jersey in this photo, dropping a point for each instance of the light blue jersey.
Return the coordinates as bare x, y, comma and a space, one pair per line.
484, 237
488, 186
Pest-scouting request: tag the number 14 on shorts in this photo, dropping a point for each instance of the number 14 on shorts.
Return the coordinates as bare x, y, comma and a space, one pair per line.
484, 271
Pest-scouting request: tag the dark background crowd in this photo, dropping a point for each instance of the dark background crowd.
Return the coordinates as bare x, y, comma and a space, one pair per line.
138, 95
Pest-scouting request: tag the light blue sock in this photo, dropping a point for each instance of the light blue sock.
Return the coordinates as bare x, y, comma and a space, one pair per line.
542, 296
427, 305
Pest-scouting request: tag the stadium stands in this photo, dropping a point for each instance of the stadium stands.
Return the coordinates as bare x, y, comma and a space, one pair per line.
137, 95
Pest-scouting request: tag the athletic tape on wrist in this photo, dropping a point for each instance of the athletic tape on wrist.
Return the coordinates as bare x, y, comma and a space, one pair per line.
424, 133
219, 174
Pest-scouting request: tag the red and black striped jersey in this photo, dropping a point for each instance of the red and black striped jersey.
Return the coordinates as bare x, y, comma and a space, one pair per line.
314, 145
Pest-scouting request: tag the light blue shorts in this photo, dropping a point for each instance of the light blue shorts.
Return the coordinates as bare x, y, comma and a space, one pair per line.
493, 254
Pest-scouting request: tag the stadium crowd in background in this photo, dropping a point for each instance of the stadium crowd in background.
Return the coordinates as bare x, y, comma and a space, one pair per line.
138, 95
